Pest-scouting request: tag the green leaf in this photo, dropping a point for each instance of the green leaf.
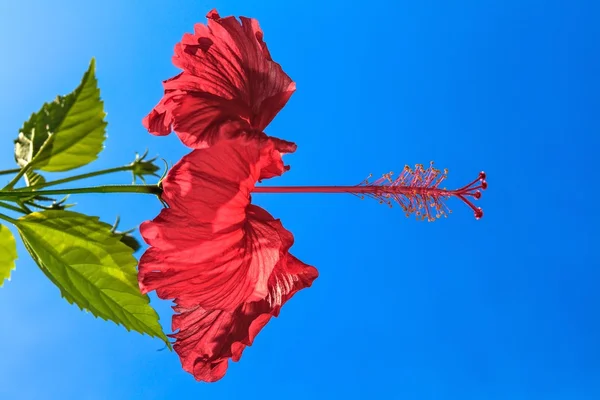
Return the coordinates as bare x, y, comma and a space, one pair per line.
91, 267
8, 253
67, 133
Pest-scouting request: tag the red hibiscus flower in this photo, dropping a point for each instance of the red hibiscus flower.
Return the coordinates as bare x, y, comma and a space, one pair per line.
224, 261
229, 85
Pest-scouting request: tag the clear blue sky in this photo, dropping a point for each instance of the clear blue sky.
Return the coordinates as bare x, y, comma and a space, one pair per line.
502, 308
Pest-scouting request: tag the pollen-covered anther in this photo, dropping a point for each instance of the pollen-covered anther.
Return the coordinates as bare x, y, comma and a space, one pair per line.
417, 191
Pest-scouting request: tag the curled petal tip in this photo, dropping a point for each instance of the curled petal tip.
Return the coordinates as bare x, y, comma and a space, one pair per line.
213, 14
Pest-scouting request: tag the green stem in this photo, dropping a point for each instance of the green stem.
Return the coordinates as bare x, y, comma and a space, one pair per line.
31, 162
10, 171
146, 189
77, 177
18, 176
11, 207
7, 218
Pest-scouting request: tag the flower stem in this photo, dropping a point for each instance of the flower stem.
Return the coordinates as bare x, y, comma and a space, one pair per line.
77, 177
7, 218
11, 207
17, 177
10, 171
145, 189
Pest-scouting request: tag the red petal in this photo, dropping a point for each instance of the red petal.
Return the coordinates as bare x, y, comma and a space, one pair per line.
228, 75
211, 248
224, 261
207, 339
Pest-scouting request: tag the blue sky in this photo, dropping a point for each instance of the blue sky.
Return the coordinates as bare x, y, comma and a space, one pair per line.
501, 308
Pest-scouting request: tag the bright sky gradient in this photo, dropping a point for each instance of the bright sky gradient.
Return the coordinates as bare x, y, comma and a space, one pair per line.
502, 308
